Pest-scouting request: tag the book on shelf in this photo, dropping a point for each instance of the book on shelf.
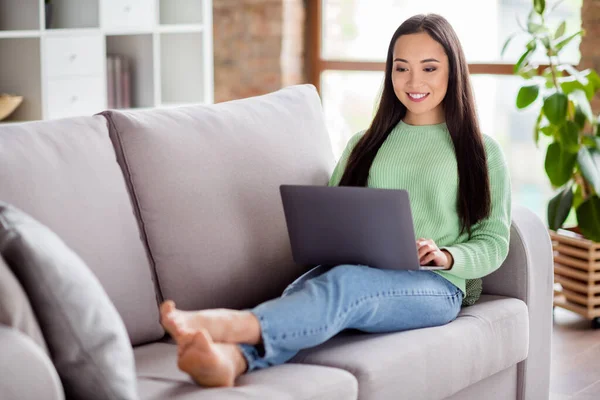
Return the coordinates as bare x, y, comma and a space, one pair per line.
118, 71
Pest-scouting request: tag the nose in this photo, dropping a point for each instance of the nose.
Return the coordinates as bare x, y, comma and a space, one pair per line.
414, 80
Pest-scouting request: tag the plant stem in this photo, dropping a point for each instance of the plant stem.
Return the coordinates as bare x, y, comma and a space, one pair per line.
553, 71
582, 184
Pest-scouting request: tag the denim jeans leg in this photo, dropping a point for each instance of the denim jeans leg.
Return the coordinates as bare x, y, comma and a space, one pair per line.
350, 296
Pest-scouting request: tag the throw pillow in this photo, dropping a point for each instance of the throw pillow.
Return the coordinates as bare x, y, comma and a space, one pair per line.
88, 343
15, 309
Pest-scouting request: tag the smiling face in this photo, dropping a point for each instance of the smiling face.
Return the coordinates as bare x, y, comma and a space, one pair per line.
420, 78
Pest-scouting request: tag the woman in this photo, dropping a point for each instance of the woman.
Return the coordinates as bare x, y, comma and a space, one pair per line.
424, 138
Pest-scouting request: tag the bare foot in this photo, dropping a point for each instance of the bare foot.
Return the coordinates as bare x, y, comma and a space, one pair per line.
209, 364
225, 326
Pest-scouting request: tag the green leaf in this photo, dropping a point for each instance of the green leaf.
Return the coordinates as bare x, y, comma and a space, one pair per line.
524, 56
539, 6
593, 77
546, 42
534, 28
593, 82
559, 164
527, 72
587, 81
527, 95
511, 37
548, 130
520, 23
569, 137
556, 5
588, 218
547, 74
536, 129
561, 30
589, 161
555, 108
580, 117
580, 98
569, 68
566, 41
591, 141
570, 84
559, 207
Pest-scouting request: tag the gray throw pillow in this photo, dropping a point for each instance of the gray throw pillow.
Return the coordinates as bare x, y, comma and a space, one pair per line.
15, 309
88, 343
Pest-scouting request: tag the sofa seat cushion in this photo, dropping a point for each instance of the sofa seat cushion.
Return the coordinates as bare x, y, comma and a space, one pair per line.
159, 378
64, 174
437, 362
206, 182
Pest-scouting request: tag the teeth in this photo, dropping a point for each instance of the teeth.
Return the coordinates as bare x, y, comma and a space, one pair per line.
417, 96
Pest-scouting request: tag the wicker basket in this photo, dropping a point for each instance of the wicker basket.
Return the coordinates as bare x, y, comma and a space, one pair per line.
577, 273
8, 104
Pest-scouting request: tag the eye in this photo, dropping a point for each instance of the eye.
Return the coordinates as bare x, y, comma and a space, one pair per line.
400, 69
430, 69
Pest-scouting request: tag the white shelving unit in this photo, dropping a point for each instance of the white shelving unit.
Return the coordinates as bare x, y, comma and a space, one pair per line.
61, 69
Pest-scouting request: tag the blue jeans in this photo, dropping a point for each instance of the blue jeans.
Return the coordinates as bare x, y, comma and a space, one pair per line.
327, 300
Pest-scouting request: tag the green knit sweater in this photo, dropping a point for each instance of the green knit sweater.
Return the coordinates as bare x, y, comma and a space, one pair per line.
421, 159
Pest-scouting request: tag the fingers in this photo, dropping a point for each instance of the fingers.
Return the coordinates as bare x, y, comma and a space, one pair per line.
425, 246
427, 259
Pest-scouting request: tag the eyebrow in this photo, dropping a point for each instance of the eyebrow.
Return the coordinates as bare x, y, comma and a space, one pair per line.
422, 61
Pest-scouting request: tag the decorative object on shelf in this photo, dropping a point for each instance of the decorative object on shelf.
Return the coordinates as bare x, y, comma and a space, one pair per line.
118, 81
572, 161
8, 104
48, 13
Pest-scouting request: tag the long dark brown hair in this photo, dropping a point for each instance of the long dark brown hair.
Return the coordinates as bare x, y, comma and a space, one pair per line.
473, 201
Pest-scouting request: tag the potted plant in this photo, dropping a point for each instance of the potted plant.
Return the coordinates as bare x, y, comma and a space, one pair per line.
572, 161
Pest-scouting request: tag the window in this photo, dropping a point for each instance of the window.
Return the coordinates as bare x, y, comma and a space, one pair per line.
348, 62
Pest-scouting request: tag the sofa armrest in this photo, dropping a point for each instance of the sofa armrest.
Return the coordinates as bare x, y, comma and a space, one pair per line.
527, 274
26, 372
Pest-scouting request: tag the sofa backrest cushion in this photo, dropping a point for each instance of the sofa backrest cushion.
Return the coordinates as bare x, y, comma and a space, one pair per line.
64, 174
206, 182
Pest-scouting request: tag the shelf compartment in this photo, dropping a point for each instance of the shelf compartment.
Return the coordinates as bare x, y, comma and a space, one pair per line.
181, 12
182, 68
138, 50
21, 75
72, 14
19, 15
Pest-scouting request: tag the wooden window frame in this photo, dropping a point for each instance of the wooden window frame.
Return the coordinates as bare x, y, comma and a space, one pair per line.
316, 65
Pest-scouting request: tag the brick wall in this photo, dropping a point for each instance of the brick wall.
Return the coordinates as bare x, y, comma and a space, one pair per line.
590, 44
258, 46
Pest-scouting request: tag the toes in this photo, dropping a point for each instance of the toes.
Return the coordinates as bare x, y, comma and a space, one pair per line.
167, 307
202, 339
185, 337
199, 340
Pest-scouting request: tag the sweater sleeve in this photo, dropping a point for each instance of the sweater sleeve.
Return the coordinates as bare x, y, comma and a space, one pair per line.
338, 171
488, 246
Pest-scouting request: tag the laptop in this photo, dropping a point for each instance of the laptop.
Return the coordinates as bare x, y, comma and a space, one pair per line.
351, 225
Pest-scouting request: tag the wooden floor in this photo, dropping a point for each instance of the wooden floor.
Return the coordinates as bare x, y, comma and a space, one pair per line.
575, 358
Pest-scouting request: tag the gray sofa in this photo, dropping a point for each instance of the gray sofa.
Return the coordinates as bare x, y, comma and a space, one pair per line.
183, 204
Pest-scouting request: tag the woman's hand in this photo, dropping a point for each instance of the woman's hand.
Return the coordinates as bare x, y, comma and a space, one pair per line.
430, 254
